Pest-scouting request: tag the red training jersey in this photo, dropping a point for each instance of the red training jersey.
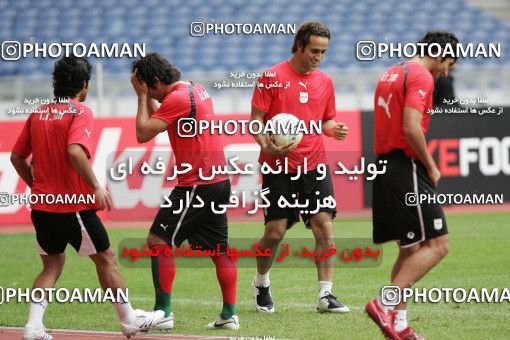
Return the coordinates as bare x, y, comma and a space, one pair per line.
309, 97
203, 151
46, 135
390, 100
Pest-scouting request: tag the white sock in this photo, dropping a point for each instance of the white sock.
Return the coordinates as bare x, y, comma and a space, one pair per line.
36, 313
125, 312
386, 308
262, 279
401, 320
324, 286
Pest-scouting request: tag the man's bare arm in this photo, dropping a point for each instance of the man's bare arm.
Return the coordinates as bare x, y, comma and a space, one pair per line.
81, 164
151, 106
146, 127
22, 168
416, 139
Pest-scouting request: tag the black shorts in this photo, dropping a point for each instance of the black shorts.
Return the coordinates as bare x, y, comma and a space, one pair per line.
199, 225
397, 215
305, 187
82, 229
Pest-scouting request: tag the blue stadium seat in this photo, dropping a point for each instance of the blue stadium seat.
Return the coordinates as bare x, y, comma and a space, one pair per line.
164, 26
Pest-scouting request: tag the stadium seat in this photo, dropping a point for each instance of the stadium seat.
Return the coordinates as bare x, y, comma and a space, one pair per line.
164, 26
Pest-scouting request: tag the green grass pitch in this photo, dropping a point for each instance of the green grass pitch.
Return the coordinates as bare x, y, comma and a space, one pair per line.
479, 257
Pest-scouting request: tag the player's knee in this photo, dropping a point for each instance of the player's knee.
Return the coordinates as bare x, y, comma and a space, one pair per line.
57, 273
53, 268
275, 231
273, 237
440, 246
443, 248
105, 258
323, 230
153, 239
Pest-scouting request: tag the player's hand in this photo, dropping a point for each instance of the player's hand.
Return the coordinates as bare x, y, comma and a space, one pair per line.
272, 149
103, 198
139, 86
434, 175
340, 130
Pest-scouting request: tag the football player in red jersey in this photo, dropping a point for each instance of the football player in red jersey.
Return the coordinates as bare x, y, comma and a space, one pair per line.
309, 96
402, 104
59, 139
154, 78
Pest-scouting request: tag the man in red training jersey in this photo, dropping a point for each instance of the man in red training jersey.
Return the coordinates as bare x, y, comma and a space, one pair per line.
59, 139
154, 77
309, 96
402, 102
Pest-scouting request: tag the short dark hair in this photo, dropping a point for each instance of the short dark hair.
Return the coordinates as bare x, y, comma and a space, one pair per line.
69, 74
442, 39
306, 30
155, 66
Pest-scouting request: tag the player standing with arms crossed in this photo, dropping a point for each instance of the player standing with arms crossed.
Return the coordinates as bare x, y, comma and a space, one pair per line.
309, 96
154, 77
60, 146
403, 97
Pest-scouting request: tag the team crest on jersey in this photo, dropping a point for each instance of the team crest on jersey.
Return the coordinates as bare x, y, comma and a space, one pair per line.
438, 223
303, 97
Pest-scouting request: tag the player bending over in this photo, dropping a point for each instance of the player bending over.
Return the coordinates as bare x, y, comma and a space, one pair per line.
154, 77
403, 97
